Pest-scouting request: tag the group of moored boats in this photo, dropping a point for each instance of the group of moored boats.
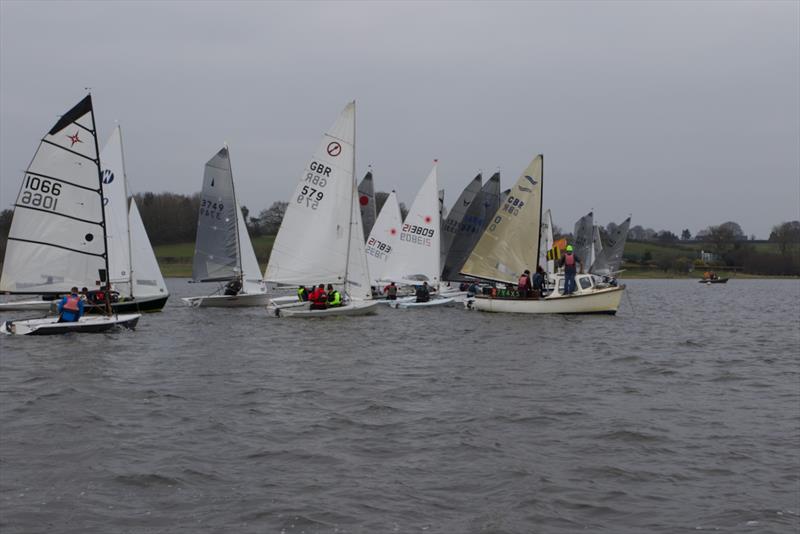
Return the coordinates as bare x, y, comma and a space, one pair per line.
73, 226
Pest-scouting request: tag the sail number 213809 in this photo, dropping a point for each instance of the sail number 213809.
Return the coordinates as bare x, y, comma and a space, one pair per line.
40, 193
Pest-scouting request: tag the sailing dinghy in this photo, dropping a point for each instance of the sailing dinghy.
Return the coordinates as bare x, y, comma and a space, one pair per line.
58, 236
223, 251
321, 238
510, 245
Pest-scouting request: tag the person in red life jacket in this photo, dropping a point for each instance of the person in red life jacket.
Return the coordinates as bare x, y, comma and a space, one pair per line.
524, 287
319, 298
70, 308
569, 262
391, 291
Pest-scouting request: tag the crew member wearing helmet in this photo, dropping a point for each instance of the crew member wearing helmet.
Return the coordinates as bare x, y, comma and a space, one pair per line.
569, 261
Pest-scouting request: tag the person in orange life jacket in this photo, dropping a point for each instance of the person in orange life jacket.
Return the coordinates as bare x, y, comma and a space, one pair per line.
391, 291
319, 298
570, 262
524, 287
70, 308
334, 297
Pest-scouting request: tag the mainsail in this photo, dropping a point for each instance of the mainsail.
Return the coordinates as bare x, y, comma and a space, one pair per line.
321, 239
116, 207
510, 244
472, 226
216, 253
57, 238
146, 277
582, 244
457, 213
609, 260
418, 254
383, 239
366, 201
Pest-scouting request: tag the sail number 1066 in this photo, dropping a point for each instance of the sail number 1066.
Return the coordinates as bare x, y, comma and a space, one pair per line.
40, 193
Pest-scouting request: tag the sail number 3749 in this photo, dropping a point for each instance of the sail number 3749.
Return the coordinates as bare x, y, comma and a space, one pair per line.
40, 193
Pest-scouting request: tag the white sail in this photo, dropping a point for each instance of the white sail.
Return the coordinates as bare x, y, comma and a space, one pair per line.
510, 244
251, 270
418, 254
146, 275
312, 243
216, 252
56, 240
358, 284
384, 237
115, 188
546, 243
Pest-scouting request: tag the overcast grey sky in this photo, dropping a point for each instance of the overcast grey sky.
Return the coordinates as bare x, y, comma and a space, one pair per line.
685, 114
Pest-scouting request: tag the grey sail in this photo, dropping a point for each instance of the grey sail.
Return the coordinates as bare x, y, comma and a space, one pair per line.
216, 253
504, 196
456, 214
475, 221
366, 200
582, 242
609, 261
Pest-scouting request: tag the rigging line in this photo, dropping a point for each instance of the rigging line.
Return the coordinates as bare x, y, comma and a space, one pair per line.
69, 150
47, 177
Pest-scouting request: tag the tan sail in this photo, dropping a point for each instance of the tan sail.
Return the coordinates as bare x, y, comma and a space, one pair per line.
509, 244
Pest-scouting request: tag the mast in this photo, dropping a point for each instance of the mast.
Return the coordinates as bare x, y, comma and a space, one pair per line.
541, 202
103, 210
127, 211
353, 192
236, 207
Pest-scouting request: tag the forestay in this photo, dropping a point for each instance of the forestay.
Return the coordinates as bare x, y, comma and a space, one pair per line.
510, 244
116, 206
56, 240
146, 276
472, 226
383, 239
216, 245
417, 257
322, 224
457, 213
609, 260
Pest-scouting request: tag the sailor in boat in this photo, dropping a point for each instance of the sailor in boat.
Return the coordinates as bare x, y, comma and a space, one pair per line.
538, 282
334, 297
302, 294
524, 287
472, 289
569, 262
391, 291
423, 293
70, 308
233, 287
319, 298
84, 294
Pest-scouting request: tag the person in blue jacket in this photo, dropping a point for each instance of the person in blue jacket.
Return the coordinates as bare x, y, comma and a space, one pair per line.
70, 308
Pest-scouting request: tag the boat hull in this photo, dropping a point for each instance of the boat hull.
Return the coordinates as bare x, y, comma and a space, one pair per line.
412, 303
601, 301
227, 301
365, 307
91, 324
714, 281
138, 305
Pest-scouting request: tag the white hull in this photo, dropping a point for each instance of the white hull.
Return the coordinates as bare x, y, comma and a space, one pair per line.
227, 301
412, 303
86, 324
598, 301
363, 307
28, 305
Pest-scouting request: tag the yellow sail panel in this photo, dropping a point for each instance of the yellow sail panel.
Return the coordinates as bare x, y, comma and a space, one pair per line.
509, 244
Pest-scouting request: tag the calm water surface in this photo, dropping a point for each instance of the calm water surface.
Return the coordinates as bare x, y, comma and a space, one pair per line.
682, 413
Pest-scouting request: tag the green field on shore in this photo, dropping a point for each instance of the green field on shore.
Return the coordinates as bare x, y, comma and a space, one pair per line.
176, 260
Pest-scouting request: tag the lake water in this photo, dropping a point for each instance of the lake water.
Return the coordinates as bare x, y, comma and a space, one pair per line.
681, 413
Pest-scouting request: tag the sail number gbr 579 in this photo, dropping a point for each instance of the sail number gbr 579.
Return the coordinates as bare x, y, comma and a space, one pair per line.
313, 190
40, 193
